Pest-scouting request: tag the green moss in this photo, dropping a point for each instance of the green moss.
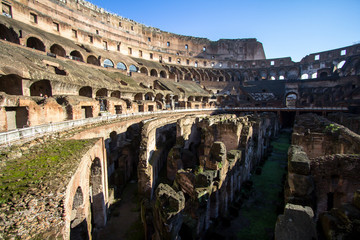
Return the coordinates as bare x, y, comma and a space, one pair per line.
41, 165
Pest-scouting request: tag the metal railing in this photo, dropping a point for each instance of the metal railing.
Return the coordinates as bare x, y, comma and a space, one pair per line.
6, 138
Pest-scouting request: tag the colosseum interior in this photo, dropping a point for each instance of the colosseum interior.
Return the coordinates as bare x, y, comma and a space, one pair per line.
110, 129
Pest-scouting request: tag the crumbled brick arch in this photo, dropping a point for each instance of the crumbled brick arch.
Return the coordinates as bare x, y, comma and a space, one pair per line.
163, 74
35, 43
41, 88
8, 34
108, 63
97, 198
144, 70
58, 50
153, 73
159, 97
11, 84
116, 94
86, 91
149, 96
103, 92
121, 66
78, 224
139, 97
76, 55
91, 59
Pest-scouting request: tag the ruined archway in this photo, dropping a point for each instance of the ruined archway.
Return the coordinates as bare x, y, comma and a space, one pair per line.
159, 97
11, 84
144, 70
41, 88
121, 66
78, 224
108, 63
35, 43
8, 34
133, 68
115, 94
58, 50
138, 97
93, 60
76, 55
153, 73
163, 74
97, 195
149, 96
85, 92
103, 92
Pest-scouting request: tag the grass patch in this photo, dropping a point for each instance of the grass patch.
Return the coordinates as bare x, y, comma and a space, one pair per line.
261, 208
41, 165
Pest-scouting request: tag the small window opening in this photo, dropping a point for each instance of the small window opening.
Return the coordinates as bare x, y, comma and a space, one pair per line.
6, 10
151, 56
178, 61
33, 18
186, 47
168, 44
105, 45
132, 28
169, 59
196, 64
56, 26
74, 33
187, 61
204, 49
204, 63
120, 24
118, 47
343, 52
272, 63
149, 39
91, 39
317, 57
140, 53
129, 51
97, 31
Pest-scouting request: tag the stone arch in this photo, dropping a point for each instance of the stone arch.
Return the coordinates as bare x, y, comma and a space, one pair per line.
97, 198
58, 50
116, 94
35, 43
121, 66
108, 63
163, 74
91, 59
159, 97
76, 55
293, 73
103, 92
85, 92
149, 96
78, 224
323, 74
41, 88
188, 76
133, 68
8, 34
138, 97
290, 99
11, 84
144, 70
153, 73
305, 76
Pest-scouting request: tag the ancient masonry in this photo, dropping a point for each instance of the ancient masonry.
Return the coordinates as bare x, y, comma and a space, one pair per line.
90, 101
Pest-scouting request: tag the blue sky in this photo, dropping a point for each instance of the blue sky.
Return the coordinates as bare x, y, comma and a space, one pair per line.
290, 28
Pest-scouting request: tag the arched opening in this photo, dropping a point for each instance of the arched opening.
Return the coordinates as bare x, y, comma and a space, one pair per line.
41, 88
163, 74
159, 97
188, 76
78, 224
191, 99
153, 73
93, 60
149, 96
221, 79
314, 75
97, 195
138, 97
133, 68
340, 64
115, 94
305, 76
35, 43
8, 34
144, 70
121, 66
291, 100
281, 77
103, 92
76, 55
108, 63
11, 84
58, 50
323, 75
85, 92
